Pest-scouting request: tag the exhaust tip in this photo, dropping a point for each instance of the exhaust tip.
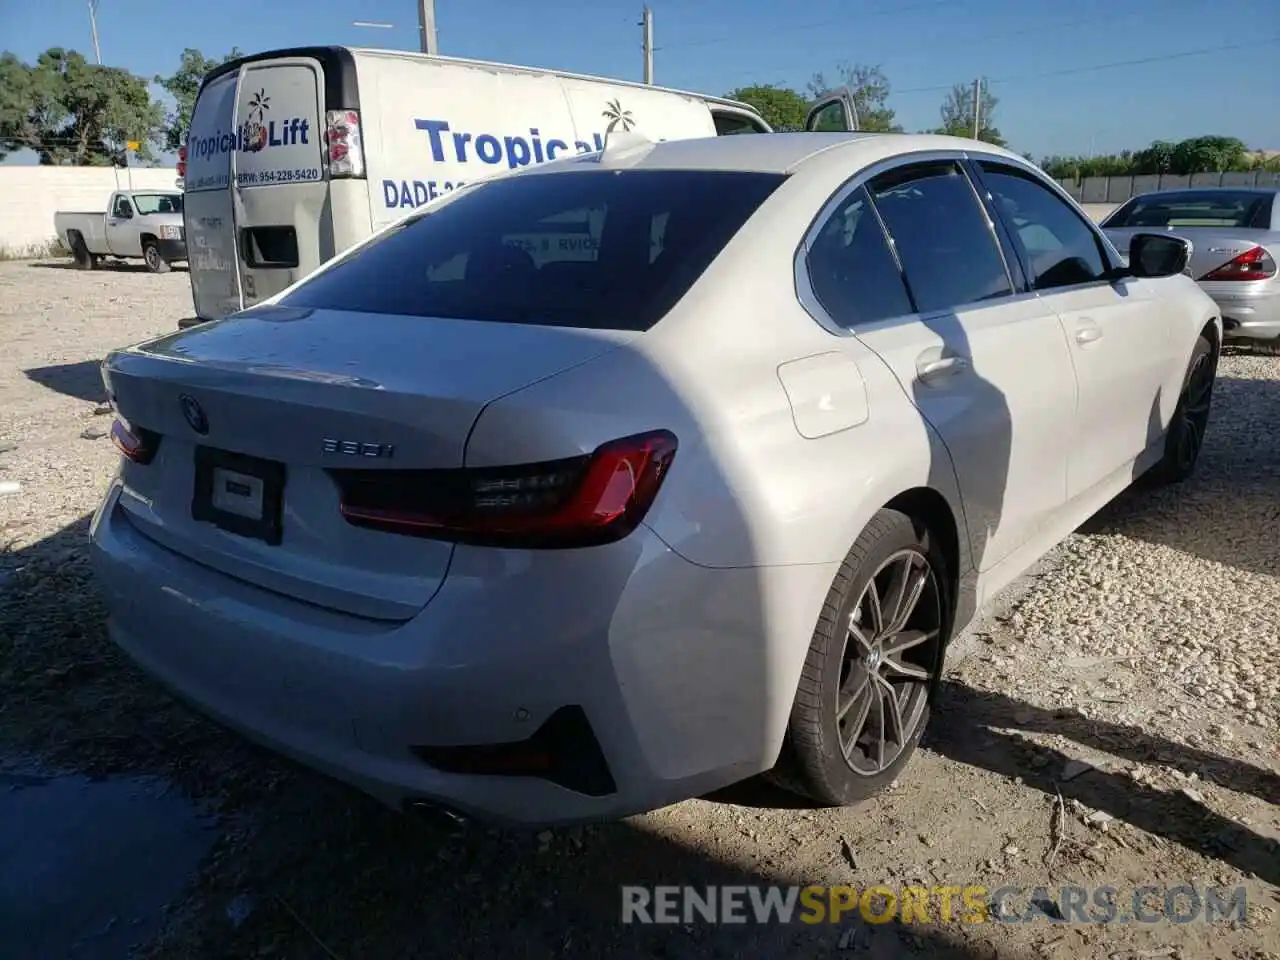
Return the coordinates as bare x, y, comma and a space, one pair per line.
436, 814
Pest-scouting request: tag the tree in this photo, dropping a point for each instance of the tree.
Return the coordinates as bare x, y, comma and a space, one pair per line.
1204, 154
1210, 154
183, 85
957, 114
70, 111
782, 108
870, 89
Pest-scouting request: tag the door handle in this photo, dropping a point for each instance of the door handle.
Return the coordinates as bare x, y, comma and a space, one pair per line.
1088, 334
939, 367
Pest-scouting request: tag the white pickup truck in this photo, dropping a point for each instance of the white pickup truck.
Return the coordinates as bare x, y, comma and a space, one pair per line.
144, 224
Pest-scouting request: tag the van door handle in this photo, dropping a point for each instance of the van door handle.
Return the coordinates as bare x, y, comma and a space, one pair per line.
938, 367
1088, 333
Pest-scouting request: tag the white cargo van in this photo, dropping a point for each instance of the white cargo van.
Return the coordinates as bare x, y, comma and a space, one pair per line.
295, 155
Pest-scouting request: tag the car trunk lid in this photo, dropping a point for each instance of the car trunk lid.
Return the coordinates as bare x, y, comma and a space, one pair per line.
300, 392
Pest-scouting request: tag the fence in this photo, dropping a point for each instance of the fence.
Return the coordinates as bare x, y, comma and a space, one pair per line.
1116, 190
30, 195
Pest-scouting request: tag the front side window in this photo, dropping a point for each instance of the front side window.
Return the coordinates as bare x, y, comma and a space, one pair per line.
942, 236
598, 248
1060, 248
851, 269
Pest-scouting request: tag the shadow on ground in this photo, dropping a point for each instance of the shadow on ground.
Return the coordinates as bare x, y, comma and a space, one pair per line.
81, 380
982, 731
111, 266
1229, 511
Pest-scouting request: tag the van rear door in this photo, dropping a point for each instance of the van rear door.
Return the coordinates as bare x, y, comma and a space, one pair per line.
280, 190
207, 213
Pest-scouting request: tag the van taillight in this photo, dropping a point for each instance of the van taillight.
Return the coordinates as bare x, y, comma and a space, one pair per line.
577, 502
342, 143
182, 160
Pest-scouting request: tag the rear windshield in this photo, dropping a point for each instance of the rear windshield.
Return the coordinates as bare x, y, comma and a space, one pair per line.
1210, 208
600, 249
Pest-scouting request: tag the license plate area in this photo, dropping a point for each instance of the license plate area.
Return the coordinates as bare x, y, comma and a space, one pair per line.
240, 494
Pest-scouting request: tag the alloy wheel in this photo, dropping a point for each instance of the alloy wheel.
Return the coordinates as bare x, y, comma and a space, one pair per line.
887, 666
1196, 399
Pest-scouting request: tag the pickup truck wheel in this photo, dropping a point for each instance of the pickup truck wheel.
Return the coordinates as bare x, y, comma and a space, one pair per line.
155, 262
84, 259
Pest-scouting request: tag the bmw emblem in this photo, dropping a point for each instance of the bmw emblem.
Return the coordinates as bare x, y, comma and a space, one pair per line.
194, 414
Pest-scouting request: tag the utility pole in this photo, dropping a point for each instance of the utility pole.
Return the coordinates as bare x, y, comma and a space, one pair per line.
977, 107
93, 25
427, 26
647, 23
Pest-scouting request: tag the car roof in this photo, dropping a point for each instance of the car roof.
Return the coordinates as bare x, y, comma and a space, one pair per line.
780, 153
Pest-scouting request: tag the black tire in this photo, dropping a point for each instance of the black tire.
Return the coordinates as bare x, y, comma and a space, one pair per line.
84, 259
151, 254
1185, 437
831, 758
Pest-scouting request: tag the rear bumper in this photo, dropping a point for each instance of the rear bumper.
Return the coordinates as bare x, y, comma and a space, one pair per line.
675, 666
1248, 316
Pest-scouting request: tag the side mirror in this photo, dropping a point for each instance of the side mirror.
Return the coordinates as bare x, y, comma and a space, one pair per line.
1158, 255
125, 211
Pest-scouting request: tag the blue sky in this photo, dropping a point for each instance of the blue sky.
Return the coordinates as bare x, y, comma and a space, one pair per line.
1034, 52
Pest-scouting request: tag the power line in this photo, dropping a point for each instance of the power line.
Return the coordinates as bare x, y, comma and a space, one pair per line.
1107, 66
1091, 21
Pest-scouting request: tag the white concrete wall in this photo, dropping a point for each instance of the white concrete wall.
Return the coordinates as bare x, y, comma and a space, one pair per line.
29, 196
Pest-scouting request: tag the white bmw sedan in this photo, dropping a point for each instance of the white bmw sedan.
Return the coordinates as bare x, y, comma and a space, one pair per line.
614, 481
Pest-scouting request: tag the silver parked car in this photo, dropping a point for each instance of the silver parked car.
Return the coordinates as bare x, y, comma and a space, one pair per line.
1235, 238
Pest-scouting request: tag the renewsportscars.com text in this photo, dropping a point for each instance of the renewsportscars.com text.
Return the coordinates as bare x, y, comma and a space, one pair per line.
911, 904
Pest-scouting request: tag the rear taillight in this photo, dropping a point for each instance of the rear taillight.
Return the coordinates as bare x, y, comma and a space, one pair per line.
1255, 264
137, 444
182, 160
343, 144
580, 501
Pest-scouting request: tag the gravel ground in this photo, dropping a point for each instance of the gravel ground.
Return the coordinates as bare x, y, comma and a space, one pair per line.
1116, 724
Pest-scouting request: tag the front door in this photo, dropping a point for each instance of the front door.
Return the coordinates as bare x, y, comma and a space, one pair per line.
122, 234
1118, 337
833, 113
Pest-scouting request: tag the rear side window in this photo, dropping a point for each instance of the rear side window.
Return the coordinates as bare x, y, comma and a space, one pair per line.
851, 269
598, 249
1203, 208
941, 235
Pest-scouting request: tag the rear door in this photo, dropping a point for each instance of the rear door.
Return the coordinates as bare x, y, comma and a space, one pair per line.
279, 191
985, 364
207, 217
